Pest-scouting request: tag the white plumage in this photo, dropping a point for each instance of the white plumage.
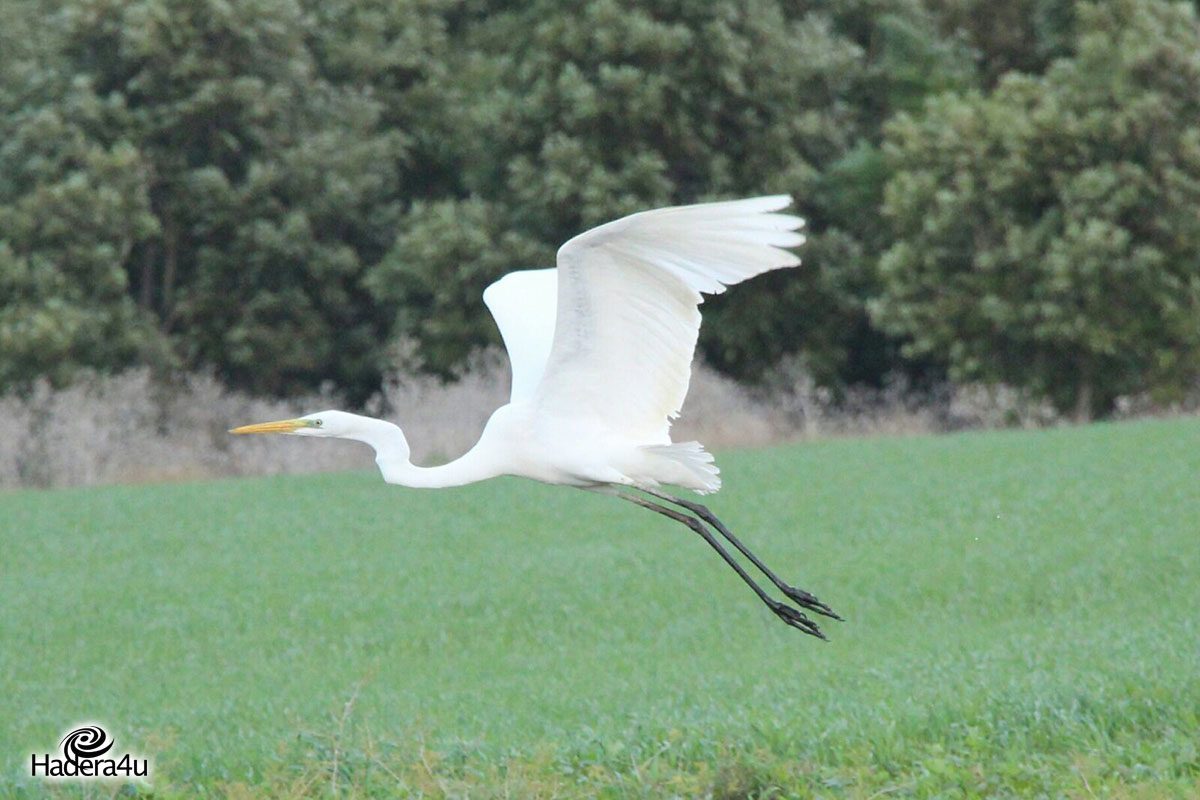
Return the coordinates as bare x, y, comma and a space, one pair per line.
601, 351
523, 305
617, 357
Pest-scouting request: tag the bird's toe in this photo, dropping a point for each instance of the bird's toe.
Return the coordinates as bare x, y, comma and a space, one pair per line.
797, 619
808, 600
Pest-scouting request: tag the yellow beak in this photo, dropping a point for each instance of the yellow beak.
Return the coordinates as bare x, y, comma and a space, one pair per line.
282, 426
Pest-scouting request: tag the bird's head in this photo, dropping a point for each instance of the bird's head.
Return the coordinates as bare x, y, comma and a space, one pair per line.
332, 424
385, 438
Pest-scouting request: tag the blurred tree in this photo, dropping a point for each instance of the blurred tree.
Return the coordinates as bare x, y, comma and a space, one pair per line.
398, 53
269, 185
71, 208
1048, 235
1009, 35
64, 302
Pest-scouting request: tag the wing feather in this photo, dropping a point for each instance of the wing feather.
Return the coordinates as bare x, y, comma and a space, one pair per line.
523, 305
627, 306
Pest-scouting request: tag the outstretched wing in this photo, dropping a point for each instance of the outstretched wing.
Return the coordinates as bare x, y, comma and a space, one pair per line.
522, 304
627, 316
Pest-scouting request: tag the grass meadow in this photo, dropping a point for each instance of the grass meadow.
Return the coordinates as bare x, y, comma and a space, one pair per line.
1023, 619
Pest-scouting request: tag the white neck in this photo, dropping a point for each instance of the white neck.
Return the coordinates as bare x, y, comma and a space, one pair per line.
392, 455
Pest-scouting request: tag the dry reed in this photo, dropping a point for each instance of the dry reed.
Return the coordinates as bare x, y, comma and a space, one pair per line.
131, 428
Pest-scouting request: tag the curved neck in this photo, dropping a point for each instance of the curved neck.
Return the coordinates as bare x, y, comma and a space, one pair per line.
392, 455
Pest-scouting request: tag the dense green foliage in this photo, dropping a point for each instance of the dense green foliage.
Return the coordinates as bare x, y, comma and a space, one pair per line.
284, 189
1021, 622
1049, 233
185, 167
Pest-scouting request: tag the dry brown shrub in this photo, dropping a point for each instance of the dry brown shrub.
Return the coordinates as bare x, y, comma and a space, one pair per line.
131, 427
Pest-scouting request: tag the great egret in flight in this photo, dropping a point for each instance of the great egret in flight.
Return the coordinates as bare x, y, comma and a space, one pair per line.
601, 351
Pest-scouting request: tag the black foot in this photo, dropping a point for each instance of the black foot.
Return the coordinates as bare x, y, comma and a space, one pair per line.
796, 618
809, 601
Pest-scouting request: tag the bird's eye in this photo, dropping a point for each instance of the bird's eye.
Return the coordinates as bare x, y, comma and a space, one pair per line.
318, 422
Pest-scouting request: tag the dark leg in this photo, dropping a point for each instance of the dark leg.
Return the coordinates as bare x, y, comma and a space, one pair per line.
799, 596
792, 616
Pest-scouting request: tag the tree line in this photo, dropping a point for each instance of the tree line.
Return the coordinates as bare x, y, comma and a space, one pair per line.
290, 192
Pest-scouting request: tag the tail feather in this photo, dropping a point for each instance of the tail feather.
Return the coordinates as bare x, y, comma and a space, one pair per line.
697, 468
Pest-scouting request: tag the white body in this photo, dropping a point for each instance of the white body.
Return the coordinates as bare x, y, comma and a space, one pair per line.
601, 351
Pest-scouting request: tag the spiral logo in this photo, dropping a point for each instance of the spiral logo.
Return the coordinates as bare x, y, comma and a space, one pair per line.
83, 755
90, 741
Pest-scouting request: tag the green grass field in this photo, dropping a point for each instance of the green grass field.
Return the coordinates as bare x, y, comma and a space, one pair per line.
1023, 619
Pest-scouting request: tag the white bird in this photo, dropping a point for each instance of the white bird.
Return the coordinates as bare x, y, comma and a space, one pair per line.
601, 352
